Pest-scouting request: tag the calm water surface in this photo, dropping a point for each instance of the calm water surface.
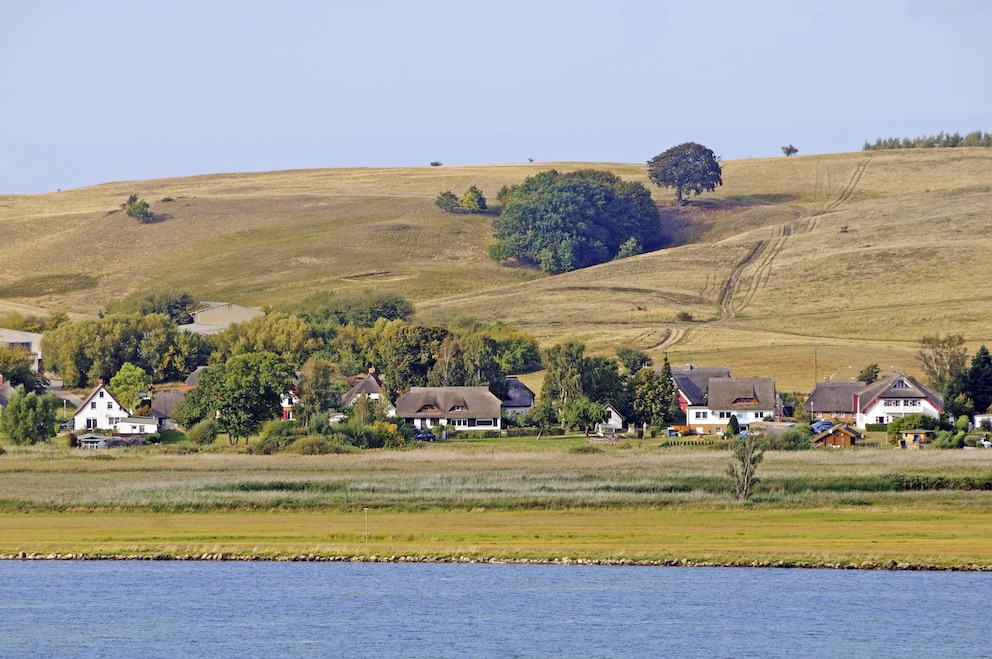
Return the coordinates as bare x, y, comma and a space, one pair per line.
174, 609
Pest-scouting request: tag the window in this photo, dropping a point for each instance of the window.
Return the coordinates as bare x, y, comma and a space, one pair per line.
460, 423
701, 415
90, 424
458, 408
110, 406
900, 384
101, 393
93, 405
484, 422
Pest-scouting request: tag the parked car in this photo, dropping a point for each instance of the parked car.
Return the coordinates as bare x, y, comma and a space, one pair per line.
820, 426
426, 437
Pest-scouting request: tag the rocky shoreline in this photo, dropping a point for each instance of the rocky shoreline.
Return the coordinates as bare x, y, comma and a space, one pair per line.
864, 565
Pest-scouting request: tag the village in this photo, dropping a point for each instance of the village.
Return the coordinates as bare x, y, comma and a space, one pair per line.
712, 402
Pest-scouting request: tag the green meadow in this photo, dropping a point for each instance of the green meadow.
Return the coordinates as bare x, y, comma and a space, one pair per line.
523, 499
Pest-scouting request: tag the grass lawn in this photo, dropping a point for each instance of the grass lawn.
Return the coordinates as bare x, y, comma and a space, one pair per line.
519, 499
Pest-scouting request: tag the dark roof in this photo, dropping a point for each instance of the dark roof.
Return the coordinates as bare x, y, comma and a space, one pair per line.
741, 394
896, 385
476, 403
164, 402
194, 376
833, 397
518, 394
6, 392
370, 384
693, 381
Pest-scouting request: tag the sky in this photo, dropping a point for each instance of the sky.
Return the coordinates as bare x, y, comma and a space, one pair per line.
107, 90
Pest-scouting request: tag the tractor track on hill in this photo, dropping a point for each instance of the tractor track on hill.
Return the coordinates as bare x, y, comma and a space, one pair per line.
738, 292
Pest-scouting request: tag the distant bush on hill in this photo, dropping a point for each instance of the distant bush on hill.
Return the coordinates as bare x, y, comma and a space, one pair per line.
975, 138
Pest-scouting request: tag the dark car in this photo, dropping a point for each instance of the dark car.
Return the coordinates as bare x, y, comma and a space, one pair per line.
820, 426
426, 437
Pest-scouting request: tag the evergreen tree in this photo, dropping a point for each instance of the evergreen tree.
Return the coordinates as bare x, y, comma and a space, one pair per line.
978, 380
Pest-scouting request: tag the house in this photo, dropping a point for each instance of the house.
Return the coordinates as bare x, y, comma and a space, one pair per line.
747, 399
6, 392
192, 379
518, 400
894, 397
612, 419
692, 383
837, 437
31, 341
215, 317
982, 420
290, 400
370, 387
833, 401
915, 438
163, 404
457, 408
100, 410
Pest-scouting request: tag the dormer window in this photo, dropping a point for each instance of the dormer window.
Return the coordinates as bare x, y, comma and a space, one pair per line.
900, 384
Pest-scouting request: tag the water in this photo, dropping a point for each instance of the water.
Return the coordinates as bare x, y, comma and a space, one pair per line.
221, 609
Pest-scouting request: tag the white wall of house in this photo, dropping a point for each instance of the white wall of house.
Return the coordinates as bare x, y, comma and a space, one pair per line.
99, 411
704, 421
886, 410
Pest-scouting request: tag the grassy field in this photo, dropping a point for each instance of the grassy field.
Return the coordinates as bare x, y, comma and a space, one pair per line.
858, 254
519, 499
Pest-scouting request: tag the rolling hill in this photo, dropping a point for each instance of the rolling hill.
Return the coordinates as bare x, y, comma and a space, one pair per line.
857, 254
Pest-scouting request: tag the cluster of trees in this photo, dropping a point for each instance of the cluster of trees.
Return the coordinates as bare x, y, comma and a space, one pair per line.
974, 138
473, 201
29, 417
561, 222
966, 386
577, 388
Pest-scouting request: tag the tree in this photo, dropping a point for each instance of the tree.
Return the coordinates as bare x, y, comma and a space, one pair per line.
944, 360
242, 393
629, 248
137, 209
447, 201
29, 417
633, 360
688, 167
562, 376
177, 305
583, 413
128, 385
789, 150
978, 380
15, 367
561, 222
868, 374
316, 387
743, 467
474, 201
733, 426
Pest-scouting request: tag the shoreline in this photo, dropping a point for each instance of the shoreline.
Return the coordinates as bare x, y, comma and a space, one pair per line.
891, 565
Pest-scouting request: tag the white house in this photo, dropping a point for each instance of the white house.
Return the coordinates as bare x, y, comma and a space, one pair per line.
458, 408
894, 397
611, 418
100, 410
30, 341
370, 387
747, 399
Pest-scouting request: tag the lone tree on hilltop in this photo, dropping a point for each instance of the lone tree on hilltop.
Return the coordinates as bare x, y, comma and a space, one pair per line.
789, 150
688, 167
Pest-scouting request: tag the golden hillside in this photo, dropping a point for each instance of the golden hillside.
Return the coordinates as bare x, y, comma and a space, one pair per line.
859, 254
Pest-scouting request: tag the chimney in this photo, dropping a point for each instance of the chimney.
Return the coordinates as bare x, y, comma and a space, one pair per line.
99, 382
371, 370
1, 379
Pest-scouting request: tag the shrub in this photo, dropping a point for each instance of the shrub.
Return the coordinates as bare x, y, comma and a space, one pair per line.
877, 427
793, 439
264, 447
2, 450
316, 445
683, 317
203, 433
585, 448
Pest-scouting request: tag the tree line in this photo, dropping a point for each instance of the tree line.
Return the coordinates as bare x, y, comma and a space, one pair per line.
940, 140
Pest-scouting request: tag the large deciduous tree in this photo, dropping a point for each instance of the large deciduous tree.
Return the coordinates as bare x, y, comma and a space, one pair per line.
29, 417
15, 367
688, 167
944, 361
561, 222
128, 385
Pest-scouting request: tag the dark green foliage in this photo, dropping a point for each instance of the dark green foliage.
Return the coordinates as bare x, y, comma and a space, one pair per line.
138, 209
868, 374
733, 426
362, 310
203, 433
912, 422
29, 417
793, 439
15, 367
177, 305
633, 360
978, 380
447, 201
688, 167
940, 140
561, 222
629, 248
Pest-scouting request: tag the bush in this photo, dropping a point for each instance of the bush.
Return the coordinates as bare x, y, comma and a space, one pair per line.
585, 448
2, 450
876, 427
264, 447
203, 433
793, 439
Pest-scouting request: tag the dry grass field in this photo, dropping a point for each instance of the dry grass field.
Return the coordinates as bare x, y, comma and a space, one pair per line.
525, 499
859, 254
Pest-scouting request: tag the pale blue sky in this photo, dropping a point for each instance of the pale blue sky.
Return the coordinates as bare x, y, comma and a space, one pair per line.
99, 91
